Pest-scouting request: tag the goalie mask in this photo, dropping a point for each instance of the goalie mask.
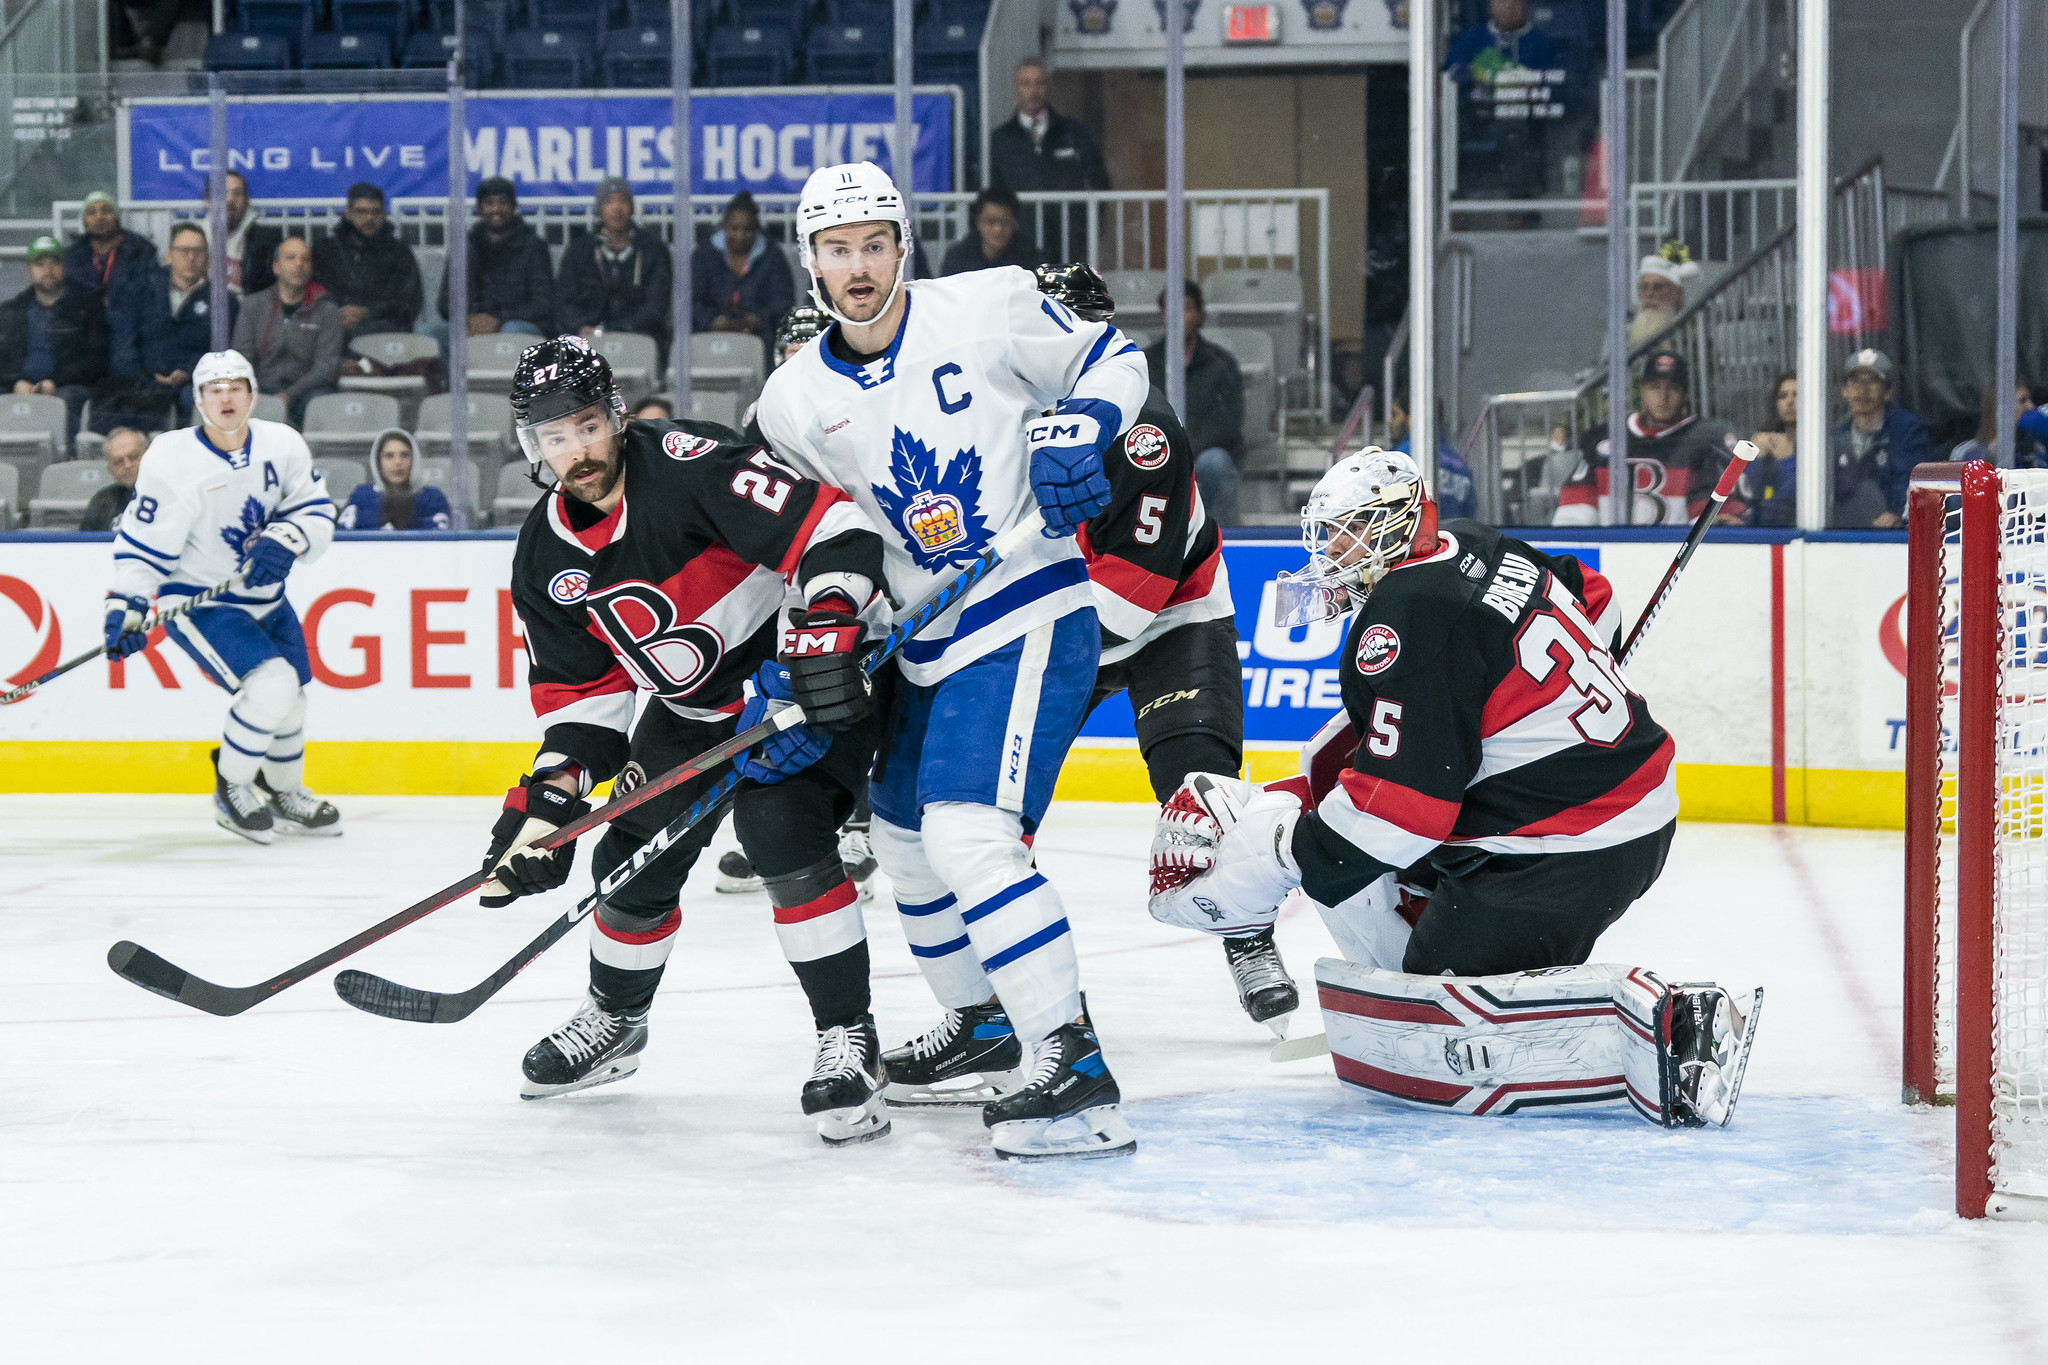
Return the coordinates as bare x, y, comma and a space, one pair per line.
1366, 515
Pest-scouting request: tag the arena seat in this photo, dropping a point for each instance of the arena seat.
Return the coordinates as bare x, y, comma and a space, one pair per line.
391, 18
737, 361
346, 52
546, 59
1269, 300
269, 408
10, 496
247, 52
849, 54
342, 477
748, 54
494, 356
32, 429
291, 20
490, 425
434, 49
636, 59
344, 423
634, 358
64, 490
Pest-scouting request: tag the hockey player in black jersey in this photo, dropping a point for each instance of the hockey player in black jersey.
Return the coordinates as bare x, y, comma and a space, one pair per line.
1493, 756
1169, 627
661, 563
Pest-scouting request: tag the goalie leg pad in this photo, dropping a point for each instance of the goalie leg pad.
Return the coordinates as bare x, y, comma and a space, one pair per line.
1566, 1036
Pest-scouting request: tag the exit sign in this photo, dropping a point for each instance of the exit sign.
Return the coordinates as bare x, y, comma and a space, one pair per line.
1251, 23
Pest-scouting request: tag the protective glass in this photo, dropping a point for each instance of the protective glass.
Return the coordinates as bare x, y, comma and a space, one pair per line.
561, 439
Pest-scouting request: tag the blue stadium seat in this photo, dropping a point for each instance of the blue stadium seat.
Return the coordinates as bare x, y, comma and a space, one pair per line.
748, 54
849, 54
793, 16
545, 59
874, 14
499, 16
637, 59
247, 52
391, 18
433, 49
291, 20
568, 15
345, 52
973, 13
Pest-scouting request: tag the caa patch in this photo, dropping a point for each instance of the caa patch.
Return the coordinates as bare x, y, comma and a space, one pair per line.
568, 586
1146, 445
1377, 649
681, 445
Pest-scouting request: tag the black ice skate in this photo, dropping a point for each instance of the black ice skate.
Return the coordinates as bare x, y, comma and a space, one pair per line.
1068, 1107
298, 811
1711, 1031
1264, 988
735, 874
971, 1057
595, 1047
844, 1092
239, 808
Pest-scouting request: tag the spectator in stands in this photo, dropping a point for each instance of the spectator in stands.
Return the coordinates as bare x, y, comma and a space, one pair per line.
157, 337
107, 257
391, 501
1039, 148
655, 410
1874, 448
1455, 493
995, 240
740, 282
2026, 448
511, 279
369, 273
291, 332
123, 454
1769, 485
1510, 89
1660, 291
1215, 407
53, 334
1674, 457
143, 29
250, 245
619, 278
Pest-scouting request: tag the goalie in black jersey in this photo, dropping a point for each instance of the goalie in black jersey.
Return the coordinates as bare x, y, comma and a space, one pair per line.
661, 563
1169, 626
1494, 796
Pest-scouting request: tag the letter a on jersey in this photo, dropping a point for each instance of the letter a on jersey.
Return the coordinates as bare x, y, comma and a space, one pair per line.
937, 513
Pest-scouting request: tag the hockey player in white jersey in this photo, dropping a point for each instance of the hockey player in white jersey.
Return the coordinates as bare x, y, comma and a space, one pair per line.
235, 495
950, 410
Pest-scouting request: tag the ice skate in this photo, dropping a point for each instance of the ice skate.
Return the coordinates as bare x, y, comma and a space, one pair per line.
858, 857
595, 1047
1264, 989
735, 874
844, 1093
1712, 1030
1068, 1107
240, 808
298, 811
970, 1057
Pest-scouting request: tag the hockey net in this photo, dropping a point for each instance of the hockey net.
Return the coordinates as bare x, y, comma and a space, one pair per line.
1976, 1002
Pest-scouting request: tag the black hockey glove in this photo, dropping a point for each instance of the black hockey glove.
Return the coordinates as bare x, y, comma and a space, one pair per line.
533, 811
822, 648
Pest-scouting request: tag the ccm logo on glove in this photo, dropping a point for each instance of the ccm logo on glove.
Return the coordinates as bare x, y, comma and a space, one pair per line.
1065, 429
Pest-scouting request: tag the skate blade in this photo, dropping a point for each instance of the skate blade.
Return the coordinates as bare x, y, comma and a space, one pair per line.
1740, 1066
1278, 1023
1300, 1049
726, 888
1097, 1132
254, 836
975, 1088
854, 1124
305, 832
614, 1071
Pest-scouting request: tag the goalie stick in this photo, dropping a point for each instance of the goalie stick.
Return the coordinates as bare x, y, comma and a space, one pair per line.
156, 619
377, 995
141, 967
1316, 1044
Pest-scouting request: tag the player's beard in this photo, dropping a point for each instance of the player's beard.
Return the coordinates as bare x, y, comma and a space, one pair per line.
879, 301
598, 491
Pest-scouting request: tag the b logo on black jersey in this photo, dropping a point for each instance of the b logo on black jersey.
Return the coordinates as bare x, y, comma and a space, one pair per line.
668, 656
1146, 445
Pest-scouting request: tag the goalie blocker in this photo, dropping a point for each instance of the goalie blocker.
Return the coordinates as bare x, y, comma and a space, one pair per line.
1493, 798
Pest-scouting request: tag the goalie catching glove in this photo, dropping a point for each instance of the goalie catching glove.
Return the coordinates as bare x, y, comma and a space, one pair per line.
533, 810
1222, 855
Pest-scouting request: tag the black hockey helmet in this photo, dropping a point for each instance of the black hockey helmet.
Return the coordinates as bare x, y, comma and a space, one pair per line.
799, 326
556, 379
1078, 286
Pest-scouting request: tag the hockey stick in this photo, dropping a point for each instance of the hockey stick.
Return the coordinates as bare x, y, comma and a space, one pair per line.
155, 619
1745, 451
138, 965
377, 995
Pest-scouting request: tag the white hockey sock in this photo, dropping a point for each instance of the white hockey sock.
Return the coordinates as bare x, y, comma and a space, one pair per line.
1569, 1036
931, 919
268, 700
242, 747
284, 761
1014, 918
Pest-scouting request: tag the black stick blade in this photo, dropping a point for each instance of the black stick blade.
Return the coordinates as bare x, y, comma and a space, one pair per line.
135, 963
375, 995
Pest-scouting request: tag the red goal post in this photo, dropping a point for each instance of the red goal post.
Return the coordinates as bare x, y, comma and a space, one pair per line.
1976, 950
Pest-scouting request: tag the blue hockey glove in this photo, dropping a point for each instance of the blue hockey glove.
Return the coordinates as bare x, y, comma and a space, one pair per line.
784, 754
125, 616
273, 555
1066, 462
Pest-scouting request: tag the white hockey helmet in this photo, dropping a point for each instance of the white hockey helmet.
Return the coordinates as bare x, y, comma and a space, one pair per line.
834, 196
1365, 515
217, 367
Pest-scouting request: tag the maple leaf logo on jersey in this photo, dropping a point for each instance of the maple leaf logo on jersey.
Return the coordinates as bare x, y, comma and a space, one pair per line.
241, 538
938, 512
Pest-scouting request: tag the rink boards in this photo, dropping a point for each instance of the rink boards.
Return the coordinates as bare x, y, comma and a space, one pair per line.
1778, 667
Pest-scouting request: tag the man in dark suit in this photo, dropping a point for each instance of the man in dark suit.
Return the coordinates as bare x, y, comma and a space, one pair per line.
1038, 148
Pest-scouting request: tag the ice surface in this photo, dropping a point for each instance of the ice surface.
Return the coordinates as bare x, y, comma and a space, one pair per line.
307, 1183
